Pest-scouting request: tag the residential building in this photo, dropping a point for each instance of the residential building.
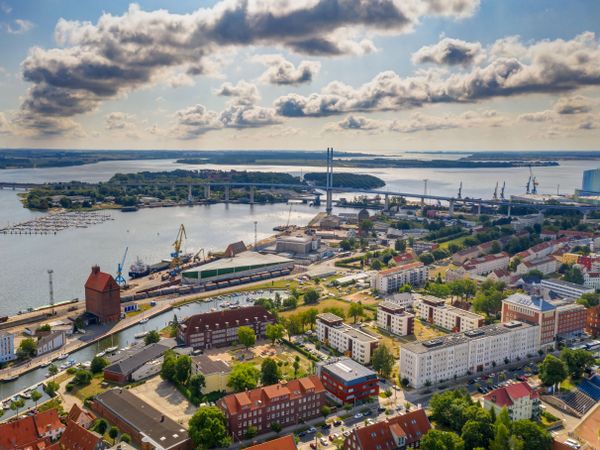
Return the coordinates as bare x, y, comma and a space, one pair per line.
486, 264
50, 342
394, 319
285, 403
522, 222
398, 432
351, 341
286, 442
122, 371
435, 310
390, 280
464, 255
21, 434
590, 183
48, 424
565, 288
592, 321
219, 328
77, 437
521, 401
555, 318
423, 246
301, 245
102, 296
542, 249
149, 428
591, 279
455, 355
7, 347
404, 299
80, 416
546, 265
347, 380
215, 372
532, 310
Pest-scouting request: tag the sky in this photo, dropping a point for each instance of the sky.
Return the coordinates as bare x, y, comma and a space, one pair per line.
357, 75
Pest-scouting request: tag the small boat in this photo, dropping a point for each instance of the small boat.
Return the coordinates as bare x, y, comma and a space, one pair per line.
10, 378
86, 364
140, 335
144, 320
233, 306
112, 349
101, 354
45, 364
26, 394
62, 356
224, 305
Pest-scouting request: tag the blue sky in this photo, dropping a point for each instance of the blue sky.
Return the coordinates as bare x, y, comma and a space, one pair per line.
381, 75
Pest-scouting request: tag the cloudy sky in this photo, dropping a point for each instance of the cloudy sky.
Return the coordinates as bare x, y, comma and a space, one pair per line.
380, 75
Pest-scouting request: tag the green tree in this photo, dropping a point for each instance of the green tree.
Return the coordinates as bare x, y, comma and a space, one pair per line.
552, 370
183, 368
366, 226
98, 364
269, 371
426, 258
276, 427
400, 245
325, 410
246, 336
113, 432
35, 396
101, 426
152, 337
274, 332
82, 377
250, 432
15, 405
356, 310
208, 428
311, 296
574, 275
383, 360
168, 369
589, 299
501, 437
27, 348
243, 376
577, 361
51, 387
448, 408
309, 317
52, 369
126, 438
195, 385
441, 440
476, 434
534, 436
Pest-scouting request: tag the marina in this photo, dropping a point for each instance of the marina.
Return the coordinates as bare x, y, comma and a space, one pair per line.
56, 222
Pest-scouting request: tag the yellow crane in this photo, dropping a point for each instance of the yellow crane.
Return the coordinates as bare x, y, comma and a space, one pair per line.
176, 255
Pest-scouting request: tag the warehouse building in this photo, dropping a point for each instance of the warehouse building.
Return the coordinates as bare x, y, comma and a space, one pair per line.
348, 380
473, 351
149, 428
301, 245
249, 265
102, 296
123, 370
219, 328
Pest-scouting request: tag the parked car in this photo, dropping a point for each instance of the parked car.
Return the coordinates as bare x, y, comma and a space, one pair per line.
367, 413
358, 416
346, 433
326, 426
324, 442
313, 445
337, 423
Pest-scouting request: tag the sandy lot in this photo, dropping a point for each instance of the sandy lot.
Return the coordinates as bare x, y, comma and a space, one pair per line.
163, 396
588, 428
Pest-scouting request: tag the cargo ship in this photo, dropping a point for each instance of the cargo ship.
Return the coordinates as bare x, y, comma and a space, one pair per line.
138, 269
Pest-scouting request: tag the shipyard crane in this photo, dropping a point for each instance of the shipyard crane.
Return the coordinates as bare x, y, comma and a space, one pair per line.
119, 278
459, 196
197, 256
502, 190
528, 185
176, 254
534, 182
289, 216
495, 196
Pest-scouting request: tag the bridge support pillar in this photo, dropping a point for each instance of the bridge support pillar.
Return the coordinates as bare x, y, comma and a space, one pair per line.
207, 191
585, 217
252, 189
479, 208
329, 182
387, 202
226, 193
451, 208
508, 210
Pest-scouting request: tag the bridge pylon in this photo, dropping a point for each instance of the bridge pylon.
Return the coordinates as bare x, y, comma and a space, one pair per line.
329, 182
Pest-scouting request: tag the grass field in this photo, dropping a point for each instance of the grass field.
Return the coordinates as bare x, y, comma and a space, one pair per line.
284, 356
326, 303
424, 332
93, 388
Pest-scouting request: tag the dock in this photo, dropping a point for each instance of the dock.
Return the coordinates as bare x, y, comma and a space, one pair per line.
53, 223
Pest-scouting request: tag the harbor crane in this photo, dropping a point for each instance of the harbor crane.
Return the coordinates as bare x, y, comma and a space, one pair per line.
502, 190
459, 196
534, 183
196, 257
495, 196
119, 278
176, 254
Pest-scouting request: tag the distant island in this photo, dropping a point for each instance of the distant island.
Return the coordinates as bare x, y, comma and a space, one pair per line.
31, 158
544, 155
153, 189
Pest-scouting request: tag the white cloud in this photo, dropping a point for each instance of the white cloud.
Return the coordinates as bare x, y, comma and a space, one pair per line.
18, 26
450, 52
280, 71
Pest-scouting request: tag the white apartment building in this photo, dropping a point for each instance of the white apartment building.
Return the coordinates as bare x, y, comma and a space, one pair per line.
472, 351
546, 265
50, 342
591, 279
390, 280
393, 318
7, 347
435, 311
487, 264
521, 401
565, 289
351, 341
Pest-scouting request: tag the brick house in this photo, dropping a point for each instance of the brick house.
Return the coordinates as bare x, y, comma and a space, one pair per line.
102, 296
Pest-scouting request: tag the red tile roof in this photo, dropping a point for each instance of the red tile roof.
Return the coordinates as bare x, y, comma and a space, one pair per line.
411, 426
19, 433
76, 437
47, 421
100, 281
505, 396
257, 398
220, 319
81, 417
282, 443
409, 266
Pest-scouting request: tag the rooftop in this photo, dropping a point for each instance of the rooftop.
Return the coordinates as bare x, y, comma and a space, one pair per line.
224, 319
391, 307
401, 268
347, 369
453, 339
566, 284
505, 396
529, 301
208, 366
380, 436
282, 443
131, 363
77, 437
143, 418
241, 259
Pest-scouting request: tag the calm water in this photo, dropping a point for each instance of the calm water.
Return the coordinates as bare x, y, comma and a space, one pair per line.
149, 233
